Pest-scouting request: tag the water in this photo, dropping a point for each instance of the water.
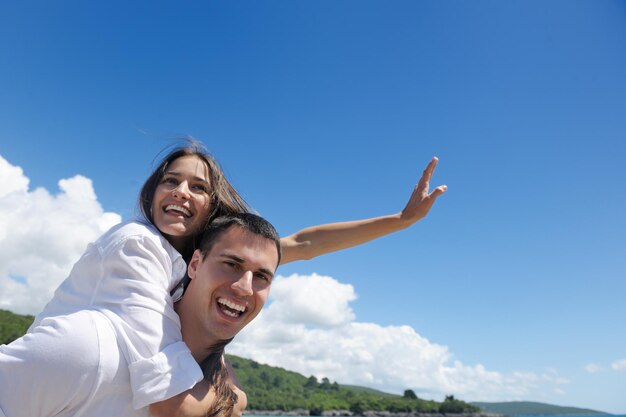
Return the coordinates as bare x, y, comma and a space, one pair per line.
577, 415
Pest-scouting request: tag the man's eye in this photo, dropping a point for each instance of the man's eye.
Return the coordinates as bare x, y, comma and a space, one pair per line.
233, 265
263, 277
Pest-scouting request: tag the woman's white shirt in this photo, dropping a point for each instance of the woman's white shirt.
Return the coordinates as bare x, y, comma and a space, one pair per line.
127, 275
68, 366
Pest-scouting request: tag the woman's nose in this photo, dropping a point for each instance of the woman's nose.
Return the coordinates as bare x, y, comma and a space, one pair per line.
181, 191
243, 286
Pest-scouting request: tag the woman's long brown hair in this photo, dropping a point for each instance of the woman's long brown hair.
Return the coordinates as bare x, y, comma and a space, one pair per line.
224, 198
217, 376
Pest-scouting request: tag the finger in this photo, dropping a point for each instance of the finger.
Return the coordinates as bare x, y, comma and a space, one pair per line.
433, 163
438, 191
430, 168
428, 173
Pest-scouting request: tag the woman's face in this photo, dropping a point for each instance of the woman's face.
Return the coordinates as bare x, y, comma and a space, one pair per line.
182, 200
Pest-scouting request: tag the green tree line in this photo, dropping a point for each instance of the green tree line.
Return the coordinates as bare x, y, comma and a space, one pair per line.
13, 326
272, 388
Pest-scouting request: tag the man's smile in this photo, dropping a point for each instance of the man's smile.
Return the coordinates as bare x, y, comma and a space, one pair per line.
230, 308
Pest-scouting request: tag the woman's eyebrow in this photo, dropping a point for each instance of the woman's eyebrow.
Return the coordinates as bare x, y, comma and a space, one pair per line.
178, 174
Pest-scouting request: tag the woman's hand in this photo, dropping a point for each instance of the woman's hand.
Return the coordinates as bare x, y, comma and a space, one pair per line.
421, 200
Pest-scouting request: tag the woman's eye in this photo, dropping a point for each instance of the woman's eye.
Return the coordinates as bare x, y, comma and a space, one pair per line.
201, 188
170, 181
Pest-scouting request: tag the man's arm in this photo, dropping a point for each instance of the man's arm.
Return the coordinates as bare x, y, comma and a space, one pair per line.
318, 240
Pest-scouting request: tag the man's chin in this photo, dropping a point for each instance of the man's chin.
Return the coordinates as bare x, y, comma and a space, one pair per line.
227, 332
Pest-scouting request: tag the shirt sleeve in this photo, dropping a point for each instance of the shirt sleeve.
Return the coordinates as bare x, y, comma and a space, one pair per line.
133, 294
54, 367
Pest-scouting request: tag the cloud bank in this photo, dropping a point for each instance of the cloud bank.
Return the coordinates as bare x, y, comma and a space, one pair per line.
309, 327
42, 235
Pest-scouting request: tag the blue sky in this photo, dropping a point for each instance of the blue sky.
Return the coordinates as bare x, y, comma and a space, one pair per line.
329, 110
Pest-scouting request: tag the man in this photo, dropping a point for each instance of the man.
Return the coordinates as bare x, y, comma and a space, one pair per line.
72, 365
230, 278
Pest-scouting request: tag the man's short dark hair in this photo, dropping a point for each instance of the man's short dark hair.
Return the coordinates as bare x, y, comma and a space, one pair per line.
247, 221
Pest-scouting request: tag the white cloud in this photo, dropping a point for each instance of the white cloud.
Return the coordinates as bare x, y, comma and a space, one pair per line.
308, 327
552, 375
314, 299
12, 178
42, 235
619, 365
593, 368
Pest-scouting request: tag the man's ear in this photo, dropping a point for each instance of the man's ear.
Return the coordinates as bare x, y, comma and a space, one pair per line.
193, 264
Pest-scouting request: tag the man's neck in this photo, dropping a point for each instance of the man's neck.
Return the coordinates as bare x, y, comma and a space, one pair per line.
197, 342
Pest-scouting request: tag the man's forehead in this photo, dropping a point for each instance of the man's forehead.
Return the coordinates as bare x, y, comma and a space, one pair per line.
240, 242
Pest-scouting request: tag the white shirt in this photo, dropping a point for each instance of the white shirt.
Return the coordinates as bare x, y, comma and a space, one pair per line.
127, 275
68, 366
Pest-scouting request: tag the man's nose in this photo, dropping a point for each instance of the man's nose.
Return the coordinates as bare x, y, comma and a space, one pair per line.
243, 286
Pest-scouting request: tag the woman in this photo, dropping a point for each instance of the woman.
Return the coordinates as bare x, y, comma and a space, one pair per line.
129, 272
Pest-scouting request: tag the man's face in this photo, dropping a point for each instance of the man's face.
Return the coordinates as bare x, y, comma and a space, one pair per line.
230, 285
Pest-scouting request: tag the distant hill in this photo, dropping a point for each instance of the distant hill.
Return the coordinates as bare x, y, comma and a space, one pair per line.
13, 326
272, 388
358, 388
527, 408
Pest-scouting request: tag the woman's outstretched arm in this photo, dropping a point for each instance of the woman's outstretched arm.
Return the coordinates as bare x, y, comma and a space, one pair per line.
318, 240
